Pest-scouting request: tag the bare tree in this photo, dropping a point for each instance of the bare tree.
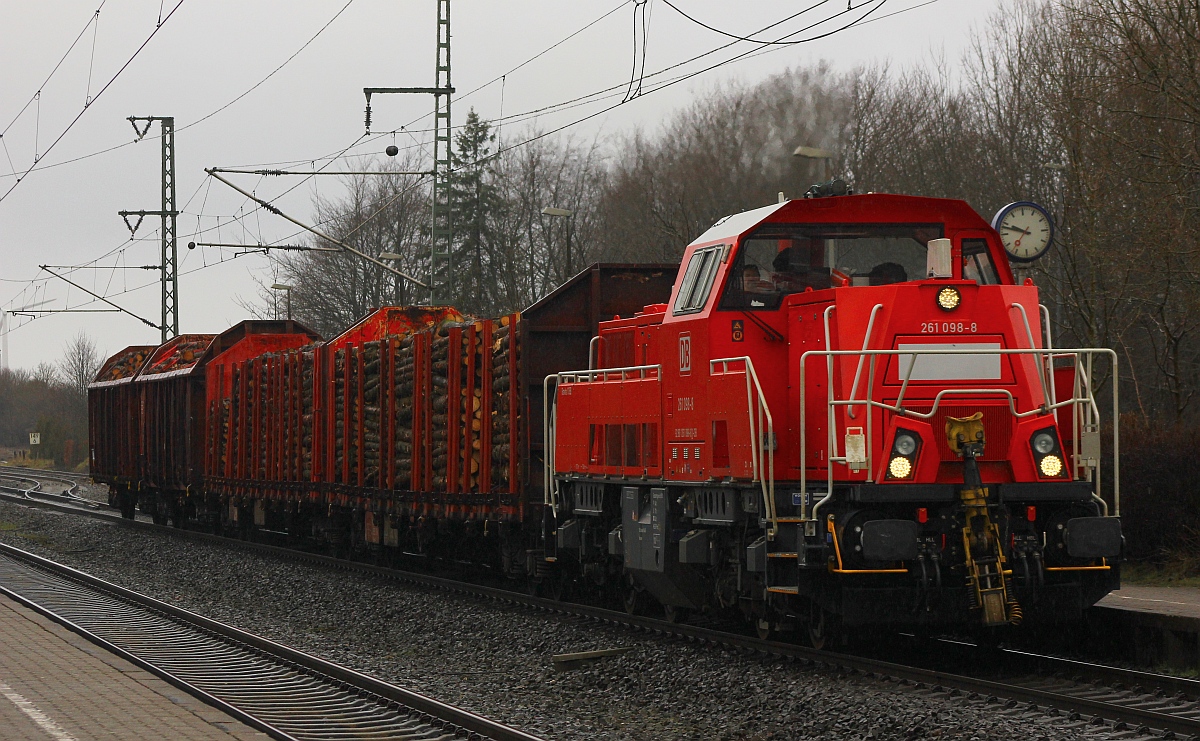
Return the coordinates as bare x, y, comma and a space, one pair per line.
79, 364
380, 213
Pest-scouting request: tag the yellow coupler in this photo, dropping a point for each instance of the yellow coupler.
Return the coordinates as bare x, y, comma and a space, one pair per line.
985, 562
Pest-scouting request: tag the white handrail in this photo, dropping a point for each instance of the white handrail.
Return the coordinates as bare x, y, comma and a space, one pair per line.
757, 439
1078, 398
549, 419
1041, 361
866, 344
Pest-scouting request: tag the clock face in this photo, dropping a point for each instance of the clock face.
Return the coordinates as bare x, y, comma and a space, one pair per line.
1025, 229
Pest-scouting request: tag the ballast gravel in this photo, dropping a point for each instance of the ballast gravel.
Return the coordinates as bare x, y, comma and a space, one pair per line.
495, 659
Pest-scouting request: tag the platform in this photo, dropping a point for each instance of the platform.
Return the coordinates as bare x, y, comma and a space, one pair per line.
1151, 626
1178, 601
57, 686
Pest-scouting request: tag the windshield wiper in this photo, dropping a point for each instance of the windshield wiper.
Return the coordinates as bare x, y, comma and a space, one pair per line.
773, 334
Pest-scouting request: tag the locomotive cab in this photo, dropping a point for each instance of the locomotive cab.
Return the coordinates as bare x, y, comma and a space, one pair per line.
849, 413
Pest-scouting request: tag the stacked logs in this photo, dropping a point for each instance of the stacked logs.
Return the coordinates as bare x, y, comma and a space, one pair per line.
471, 409
230, 436
404, 364
125, 366
467, 427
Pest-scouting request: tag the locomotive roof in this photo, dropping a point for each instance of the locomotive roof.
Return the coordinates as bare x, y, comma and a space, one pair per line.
869, 208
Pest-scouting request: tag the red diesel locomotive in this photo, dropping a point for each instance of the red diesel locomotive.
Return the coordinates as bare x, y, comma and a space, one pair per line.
843, 411
848, 413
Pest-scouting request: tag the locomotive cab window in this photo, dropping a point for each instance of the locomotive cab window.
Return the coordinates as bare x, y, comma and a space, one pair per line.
698, 279
977, 263
782, 259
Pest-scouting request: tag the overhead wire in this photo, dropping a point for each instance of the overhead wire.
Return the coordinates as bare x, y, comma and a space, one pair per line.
93, 18
98, 94
202, 118
663, 84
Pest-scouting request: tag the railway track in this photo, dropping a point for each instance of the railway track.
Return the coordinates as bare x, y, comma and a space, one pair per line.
1095, 697
285, 693
32, 485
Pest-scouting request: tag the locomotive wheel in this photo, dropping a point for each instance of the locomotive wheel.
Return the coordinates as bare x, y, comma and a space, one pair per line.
634, 597
762, 627
823, 628
675, 614
553, 586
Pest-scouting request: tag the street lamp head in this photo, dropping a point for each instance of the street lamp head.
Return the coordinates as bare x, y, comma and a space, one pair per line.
390, 256
814, 153
553, 211
280, 287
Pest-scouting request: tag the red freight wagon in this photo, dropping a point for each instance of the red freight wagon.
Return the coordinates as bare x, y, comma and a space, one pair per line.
412, 420
259, 381
164, 408
171, 395
114, 421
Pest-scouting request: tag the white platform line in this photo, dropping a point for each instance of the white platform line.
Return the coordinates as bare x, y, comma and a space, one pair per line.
37, 716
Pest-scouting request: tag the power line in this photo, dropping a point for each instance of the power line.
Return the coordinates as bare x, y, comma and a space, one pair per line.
702, 24
584, 99
94, 17
86, 106
272, 73
249, 90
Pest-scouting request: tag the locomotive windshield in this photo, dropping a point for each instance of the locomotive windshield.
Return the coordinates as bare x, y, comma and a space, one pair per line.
781, 259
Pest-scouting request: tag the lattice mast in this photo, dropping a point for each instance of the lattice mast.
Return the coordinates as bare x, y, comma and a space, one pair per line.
441, 265
170, 252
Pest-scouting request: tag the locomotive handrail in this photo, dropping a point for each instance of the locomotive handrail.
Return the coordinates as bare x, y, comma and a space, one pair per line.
866, 344
593, 356
1048, 342
549, 483
1046, 392
758, 441
1082, 386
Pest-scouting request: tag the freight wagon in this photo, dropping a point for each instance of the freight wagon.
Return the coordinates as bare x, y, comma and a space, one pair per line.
410, 430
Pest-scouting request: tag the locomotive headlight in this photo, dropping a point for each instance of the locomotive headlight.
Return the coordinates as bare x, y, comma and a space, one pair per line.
905, 444
1051, 465
899, 467
1043, 443
949, 298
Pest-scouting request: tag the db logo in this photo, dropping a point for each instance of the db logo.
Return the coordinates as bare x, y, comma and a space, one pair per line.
685, 353
739, 332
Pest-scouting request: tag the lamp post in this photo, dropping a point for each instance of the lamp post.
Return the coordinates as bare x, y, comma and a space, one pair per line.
283, 287
815, 153
562, 213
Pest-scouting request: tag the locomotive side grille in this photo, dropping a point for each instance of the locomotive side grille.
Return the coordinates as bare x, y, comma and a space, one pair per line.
997, 426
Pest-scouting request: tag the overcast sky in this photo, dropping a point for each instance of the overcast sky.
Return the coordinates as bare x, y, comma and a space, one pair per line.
210, 52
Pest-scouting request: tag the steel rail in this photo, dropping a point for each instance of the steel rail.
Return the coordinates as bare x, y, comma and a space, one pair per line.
36, 490
288, 694
1144, 710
